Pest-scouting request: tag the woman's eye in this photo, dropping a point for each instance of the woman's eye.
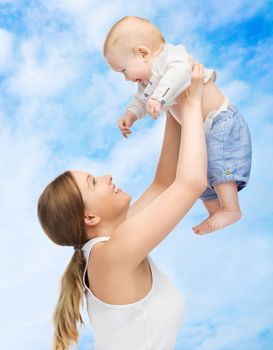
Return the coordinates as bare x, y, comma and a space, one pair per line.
94, 181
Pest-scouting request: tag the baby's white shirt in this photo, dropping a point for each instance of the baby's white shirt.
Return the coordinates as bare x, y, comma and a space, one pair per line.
171, 75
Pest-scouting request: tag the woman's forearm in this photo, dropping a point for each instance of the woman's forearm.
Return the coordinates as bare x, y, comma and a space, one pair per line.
192, 161
167, 164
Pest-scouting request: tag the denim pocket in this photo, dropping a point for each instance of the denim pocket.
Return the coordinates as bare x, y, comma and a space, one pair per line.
218, 130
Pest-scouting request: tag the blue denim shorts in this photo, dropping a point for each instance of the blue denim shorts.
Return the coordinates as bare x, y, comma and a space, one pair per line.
229, 151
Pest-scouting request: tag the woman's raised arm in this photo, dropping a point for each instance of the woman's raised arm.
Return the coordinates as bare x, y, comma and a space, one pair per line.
132, 241
166, 168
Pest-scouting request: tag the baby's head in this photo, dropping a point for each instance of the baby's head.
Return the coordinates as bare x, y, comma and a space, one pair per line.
131, 46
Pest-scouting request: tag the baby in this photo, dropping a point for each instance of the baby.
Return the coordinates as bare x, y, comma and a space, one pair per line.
136, 48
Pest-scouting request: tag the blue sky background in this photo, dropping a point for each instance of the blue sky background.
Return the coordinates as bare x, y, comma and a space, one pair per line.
59, 105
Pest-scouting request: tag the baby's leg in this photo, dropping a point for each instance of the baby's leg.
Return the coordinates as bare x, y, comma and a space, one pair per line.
212, 205
228, 212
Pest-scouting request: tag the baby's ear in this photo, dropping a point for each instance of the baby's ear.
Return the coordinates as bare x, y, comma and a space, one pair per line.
144, 51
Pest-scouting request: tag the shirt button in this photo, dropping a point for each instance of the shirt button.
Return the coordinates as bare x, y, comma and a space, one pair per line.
228, 172
163, 102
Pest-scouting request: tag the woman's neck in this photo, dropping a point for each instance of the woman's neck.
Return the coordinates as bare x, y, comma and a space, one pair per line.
105, 228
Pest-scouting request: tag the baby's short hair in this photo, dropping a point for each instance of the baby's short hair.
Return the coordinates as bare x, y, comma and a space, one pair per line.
131, 32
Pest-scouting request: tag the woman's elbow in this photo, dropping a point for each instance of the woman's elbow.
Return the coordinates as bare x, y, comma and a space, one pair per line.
197, 183
202, 184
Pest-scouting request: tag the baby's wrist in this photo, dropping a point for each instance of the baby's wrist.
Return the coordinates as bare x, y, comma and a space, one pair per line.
131, 115
156, 99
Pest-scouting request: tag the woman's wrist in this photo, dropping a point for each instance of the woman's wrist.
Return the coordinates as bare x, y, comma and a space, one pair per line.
190, 105
191, 101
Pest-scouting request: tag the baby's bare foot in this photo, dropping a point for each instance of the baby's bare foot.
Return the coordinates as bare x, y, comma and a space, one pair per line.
217, 221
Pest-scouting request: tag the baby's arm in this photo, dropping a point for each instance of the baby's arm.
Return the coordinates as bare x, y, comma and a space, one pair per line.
135, 110
136, 106
177, 76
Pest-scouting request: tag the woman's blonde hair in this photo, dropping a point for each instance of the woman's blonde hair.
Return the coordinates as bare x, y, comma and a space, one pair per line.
61, 215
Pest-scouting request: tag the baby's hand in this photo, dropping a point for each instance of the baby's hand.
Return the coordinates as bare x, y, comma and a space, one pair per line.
125, 122
153, 108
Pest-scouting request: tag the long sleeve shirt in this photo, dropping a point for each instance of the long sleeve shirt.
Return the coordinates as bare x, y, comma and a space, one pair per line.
171, 75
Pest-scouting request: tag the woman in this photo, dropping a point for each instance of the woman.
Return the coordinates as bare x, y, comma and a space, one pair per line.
131, 303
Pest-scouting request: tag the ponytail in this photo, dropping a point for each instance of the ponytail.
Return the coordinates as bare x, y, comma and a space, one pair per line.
67, 315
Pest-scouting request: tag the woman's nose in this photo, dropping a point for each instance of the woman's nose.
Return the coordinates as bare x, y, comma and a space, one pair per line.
108, 178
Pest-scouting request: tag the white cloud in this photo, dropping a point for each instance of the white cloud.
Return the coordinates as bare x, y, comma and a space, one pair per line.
92, 20
218, 15
41, 73
237, 90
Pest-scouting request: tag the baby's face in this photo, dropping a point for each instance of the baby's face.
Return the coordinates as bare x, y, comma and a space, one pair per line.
134, 67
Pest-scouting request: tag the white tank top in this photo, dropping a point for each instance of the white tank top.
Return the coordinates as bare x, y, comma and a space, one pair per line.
151, 323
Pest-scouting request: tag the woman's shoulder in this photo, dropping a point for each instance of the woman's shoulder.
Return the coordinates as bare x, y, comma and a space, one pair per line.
106, 255
108, 280
94, 249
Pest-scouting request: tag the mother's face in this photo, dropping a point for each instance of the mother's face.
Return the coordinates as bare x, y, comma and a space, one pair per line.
100, 196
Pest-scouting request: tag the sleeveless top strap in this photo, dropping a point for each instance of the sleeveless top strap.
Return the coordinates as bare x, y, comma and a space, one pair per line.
86, 253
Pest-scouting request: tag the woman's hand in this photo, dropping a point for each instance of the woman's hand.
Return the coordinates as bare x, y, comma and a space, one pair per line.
194, 93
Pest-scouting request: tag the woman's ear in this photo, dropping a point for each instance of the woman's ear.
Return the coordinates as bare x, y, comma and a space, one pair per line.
144, 52
91, 220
